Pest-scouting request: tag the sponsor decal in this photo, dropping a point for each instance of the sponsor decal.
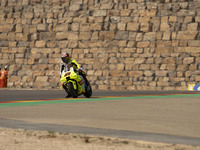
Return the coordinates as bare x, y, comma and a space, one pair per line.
194, 87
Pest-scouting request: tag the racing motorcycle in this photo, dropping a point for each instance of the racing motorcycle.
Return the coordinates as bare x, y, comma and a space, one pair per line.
74, 84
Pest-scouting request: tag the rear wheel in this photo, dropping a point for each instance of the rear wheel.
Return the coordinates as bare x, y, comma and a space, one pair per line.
73, 92
88, 90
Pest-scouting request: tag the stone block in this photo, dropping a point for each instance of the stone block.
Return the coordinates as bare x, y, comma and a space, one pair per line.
18, 36
74, 7
165, 50
106, 35
144, 67
144, 27
188, 60
143, 44
192, 27
53, 60
40, 44
61, 28
84, 35
194, 43
120, 67
172, 18
73, 35
197, 78
28, 15
132, 6
169, 60
98, 73
75, 26
182, 67
6, 27
103, 87
187, 50
113, 60
193, 67
188, 19
118, 73
162, 43
187, 35
163, 83
197, 19
161, 73
150, 36
139, 60
85, 27
62, 35
129, 50
62, 44
167, 35
96, 26
4, 44
128, 61
15, 78
188, 74
99, 13
164, 27
12, 44
135, 73
128, 83
113, 12
125, 12
148, 73
3, 36
131, 26
90, 72
112, 67
171, 67
107, 5
121, 26
121, 35
41, 27
77, 51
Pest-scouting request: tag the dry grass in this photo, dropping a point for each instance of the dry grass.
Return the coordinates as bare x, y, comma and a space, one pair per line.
20, 139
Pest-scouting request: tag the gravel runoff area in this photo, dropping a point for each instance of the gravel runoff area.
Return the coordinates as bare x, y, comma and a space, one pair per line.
21, 139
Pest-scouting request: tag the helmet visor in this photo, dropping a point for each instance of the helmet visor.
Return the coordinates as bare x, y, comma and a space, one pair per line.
65, 59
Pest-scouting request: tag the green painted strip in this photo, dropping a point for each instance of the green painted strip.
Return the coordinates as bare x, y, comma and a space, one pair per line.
93, 99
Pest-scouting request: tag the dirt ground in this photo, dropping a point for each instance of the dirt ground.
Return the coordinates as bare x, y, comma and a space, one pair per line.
20, 139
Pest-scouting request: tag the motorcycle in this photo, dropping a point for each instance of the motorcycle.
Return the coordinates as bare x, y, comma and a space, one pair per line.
74, 84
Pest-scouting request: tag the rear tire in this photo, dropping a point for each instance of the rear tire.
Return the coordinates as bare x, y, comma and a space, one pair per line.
73, 92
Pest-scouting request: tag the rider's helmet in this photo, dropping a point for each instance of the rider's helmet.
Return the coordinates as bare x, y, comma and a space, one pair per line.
65, 57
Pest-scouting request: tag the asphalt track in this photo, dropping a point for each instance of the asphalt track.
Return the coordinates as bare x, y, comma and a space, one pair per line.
158, 116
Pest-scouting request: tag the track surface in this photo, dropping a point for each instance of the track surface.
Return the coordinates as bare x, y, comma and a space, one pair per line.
171, 118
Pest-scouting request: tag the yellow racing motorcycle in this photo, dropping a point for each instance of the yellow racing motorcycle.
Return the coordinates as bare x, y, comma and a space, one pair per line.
74, 84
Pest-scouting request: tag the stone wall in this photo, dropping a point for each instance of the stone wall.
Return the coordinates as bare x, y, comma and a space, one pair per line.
122, 44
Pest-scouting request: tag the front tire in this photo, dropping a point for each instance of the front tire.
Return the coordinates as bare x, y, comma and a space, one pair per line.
73, 92
88, 90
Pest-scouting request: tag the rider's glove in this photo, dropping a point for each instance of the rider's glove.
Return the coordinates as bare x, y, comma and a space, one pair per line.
80, 71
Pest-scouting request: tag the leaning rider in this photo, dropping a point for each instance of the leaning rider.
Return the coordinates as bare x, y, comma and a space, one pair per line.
68, 62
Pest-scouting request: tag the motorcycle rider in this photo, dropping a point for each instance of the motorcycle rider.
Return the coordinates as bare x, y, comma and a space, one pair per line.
68, 62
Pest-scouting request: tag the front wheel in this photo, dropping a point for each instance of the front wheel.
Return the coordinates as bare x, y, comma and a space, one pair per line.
88, 90
73, 92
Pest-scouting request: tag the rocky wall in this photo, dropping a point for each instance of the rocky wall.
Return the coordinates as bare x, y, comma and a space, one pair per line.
122, 44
